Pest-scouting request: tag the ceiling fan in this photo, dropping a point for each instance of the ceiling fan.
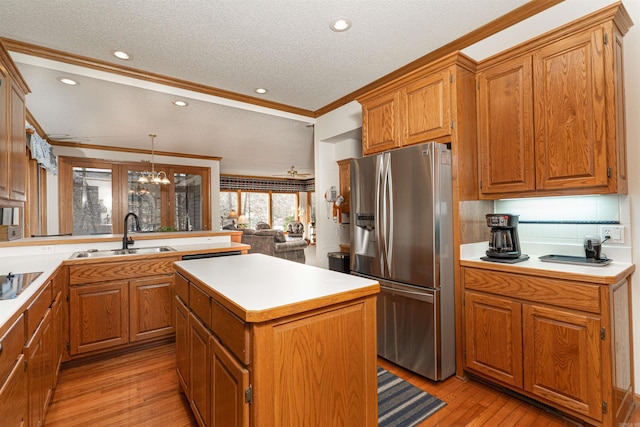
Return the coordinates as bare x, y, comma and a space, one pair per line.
293, 173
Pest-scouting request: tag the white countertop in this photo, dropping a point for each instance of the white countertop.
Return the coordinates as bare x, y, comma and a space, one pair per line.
257, 283
599, 274
33, 259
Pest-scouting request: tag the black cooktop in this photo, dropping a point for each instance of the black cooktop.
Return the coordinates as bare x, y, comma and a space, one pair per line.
12, 285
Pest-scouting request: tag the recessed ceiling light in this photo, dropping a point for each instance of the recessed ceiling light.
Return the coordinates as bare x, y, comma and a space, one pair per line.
121, 55
180, 103
68, 81
340, 24
261, 91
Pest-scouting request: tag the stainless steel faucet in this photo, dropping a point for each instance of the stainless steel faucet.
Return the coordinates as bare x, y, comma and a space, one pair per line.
126, 241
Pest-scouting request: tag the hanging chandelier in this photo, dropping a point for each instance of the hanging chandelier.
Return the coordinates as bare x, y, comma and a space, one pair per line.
153, 177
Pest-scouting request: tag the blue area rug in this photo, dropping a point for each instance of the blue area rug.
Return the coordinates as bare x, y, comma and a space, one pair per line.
401, 404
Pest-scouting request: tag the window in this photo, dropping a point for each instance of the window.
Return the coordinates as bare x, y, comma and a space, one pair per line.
228, 203
95, 195
255, 208
285, 206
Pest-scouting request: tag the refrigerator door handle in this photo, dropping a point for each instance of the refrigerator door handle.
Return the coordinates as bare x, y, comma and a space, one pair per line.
421, 296
389, 214
379, 238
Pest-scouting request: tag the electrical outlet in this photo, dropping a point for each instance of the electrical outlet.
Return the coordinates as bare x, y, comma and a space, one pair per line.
615, 233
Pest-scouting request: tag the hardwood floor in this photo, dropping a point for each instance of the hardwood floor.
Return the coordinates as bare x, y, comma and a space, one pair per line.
141, 389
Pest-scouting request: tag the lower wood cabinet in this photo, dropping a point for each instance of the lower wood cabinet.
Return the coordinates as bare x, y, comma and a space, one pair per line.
229, 388
556, 341
14, 407
199, 370
182, 343
117, 304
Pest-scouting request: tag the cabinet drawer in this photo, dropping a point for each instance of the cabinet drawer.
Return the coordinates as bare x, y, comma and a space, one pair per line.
182, 288
561, 293
11, 345
200, 303
232, 331
102, 272
37, 309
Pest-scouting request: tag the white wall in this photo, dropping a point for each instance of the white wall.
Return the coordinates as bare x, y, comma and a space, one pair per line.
52, 180
336, 138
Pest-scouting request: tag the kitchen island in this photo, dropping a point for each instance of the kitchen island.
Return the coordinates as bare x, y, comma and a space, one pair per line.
269, 342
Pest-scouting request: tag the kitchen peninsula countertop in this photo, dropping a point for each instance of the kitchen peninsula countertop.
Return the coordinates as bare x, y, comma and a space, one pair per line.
25, 260
259, 287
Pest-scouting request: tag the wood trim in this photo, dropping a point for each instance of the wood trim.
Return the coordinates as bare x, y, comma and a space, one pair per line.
96, 64
130, 150
11, 68
515, 16
615, 12
33, 122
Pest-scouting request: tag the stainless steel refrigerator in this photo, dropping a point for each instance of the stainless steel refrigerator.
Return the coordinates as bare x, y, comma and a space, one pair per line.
402, 235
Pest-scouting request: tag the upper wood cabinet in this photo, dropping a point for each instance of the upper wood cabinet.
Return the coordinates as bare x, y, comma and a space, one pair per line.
505, 127
344, 175
13, 161
551, 113
426, 108
381, 123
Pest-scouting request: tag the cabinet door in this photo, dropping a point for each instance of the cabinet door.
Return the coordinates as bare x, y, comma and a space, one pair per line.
5, 146
37, 380
570, 110
151, 307
493, 333
505, 127
18, 158
57, 321
426, 109
562, 358
344, 175
13, 396
229, 381
199, 370
182, 345
99, 316
381, 124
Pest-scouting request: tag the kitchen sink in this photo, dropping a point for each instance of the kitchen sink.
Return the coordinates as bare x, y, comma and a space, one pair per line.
95, 253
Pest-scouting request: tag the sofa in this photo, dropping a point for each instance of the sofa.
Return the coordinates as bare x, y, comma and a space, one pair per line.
274, 242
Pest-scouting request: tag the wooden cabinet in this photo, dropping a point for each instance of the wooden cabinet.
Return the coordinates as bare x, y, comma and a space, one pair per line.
182, 344
36, 353
422, 106
13, 395
344, 174
562, 358
199, 370
99, 316
151, 307
426, 108
505, 127
13, 160
251, 375
105, 313
14, 406
493, 328
229, 386
551, 115
555, 340
381, 123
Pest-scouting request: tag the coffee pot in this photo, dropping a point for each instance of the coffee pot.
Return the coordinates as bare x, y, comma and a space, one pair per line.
504, 242
592, 247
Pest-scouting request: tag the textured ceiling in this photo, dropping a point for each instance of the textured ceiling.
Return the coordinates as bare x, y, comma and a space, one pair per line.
235, 45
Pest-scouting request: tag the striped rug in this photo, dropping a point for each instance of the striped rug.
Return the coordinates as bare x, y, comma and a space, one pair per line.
401, 404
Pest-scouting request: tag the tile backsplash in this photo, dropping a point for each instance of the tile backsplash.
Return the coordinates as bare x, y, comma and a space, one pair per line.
567, 219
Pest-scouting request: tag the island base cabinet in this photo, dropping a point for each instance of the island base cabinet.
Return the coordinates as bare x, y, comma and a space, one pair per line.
199, 369
230, 390
317, 369
182, 345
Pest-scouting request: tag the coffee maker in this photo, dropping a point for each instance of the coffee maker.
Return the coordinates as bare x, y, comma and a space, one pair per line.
504, 244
